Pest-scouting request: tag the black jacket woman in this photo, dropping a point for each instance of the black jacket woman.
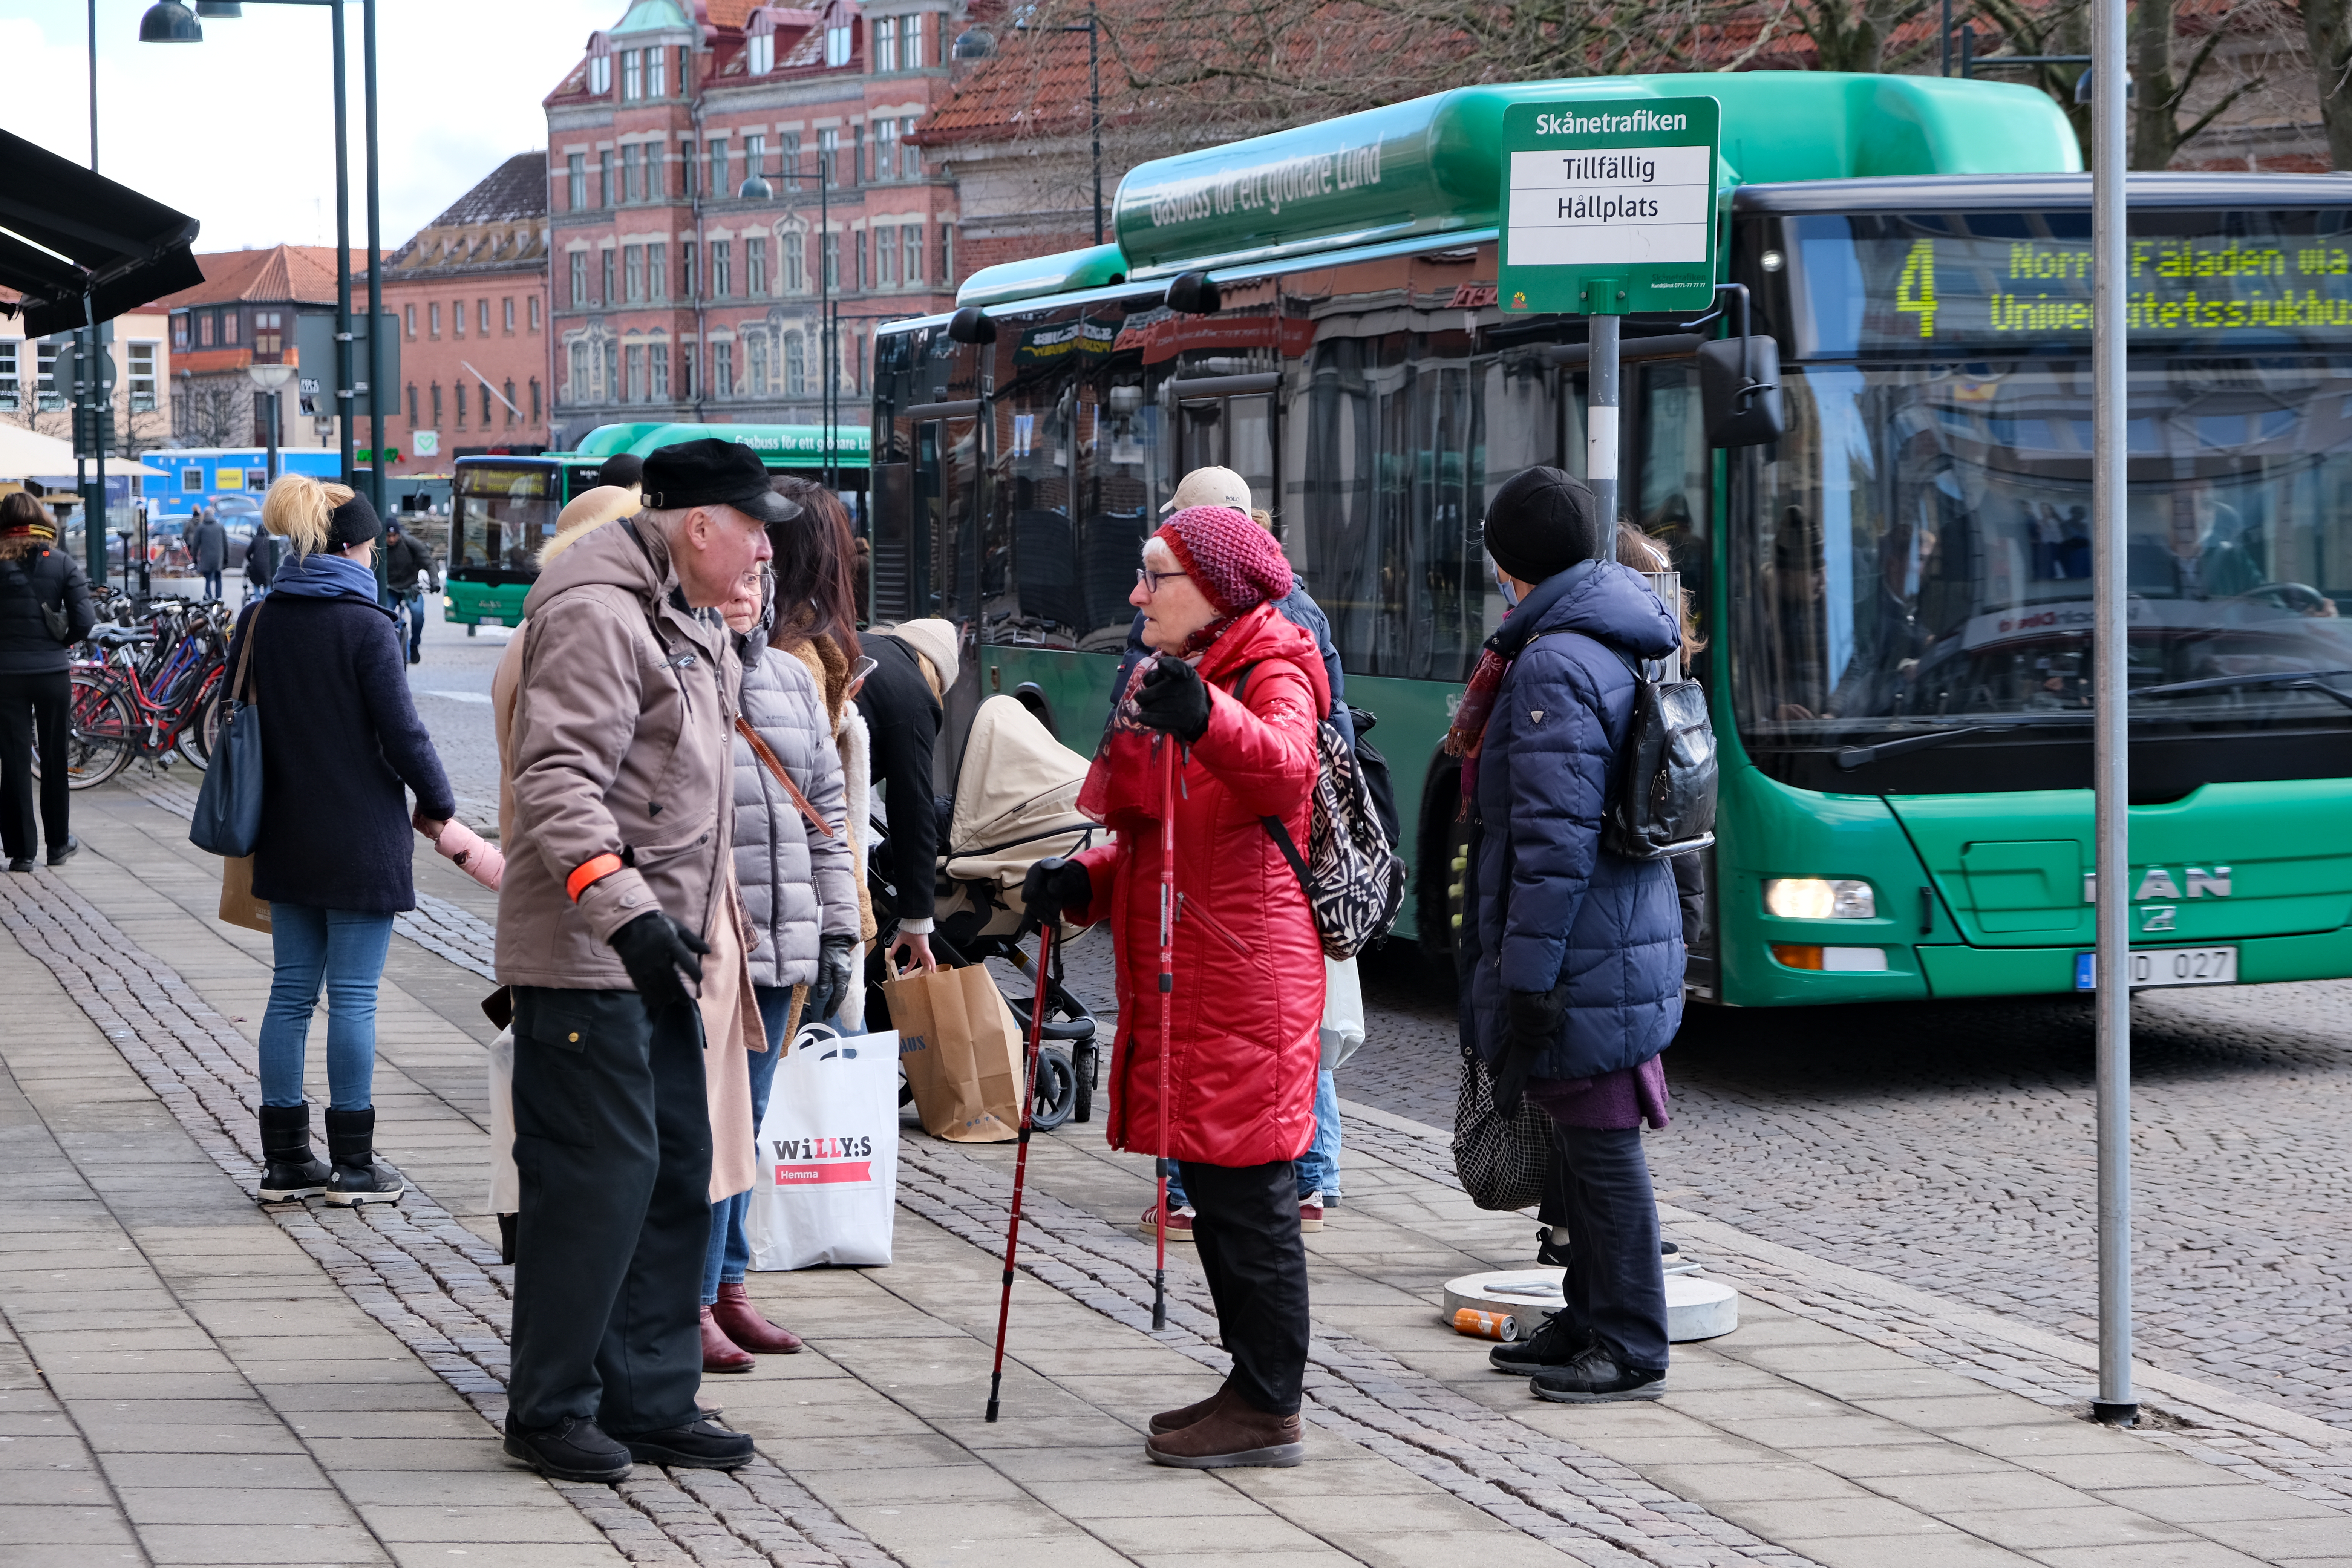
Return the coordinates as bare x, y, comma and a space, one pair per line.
44, 610
339, 738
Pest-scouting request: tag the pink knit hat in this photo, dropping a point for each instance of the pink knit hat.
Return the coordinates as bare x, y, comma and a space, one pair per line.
1233, 561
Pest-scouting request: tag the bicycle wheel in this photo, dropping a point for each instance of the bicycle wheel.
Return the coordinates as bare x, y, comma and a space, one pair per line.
202, 731
104, 737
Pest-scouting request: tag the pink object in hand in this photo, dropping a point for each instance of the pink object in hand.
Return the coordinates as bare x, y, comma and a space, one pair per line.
474, 855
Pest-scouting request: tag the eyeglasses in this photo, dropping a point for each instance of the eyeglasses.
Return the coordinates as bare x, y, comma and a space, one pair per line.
1152, 580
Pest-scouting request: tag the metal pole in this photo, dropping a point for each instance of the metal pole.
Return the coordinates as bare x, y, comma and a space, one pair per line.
375, 269
1944, 38
93, 496
826, 253
1094, 87
344, 367
2110, 731
274, 416
1600, 422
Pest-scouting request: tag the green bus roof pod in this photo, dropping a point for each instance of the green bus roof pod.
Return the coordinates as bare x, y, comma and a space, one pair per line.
1428, 167
1093, 266
850, 442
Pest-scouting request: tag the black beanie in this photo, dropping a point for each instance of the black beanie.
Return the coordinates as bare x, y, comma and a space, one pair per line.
353, 522
1541, 523
622, 468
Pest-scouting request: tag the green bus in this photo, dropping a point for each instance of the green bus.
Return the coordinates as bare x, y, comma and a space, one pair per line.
503, 508
1894, 594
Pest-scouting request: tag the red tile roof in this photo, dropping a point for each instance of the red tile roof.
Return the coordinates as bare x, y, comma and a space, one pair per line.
296, 274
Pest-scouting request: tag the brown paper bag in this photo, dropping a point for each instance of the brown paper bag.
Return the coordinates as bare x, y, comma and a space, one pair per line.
961, 1047
238, 907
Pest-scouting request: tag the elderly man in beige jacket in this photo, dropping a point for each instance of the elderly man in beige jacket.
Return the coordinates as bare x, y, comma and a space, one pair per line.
620, 764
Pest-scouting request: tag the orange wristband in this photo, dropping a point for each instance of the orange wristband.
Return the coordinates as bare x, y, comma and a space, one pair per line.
589, 873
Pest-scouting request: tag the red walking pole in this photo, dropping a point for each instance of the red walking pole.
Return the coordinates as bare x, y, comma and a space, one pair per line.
1021, 1159
1167, 1016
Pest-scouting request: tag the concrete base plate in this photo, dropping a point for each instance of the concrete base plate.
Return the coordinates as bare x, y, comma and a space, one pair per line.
1511, 1303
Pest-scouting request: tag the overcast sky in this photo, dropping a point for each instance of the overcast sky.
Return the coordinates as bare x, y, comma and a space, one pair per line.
238, 130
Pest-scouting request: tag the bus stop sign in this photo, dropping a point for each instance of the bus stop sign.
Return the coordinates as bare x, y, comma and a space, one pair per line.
1609, 206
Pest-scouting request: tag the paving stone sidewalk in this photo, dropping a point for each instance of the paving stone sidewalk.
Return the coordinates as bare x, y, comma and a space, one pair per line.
147, 1305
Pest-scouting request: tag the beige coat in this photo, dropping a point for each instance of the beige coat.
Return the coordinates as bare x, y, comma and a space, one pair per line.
619, 742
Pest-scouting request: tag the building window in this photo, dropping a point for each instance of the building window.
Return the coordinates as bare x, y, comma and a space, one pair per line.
911, 243
507, 311
759, 54
575, 169
534, 400
433, 318
792, 248
910, 42
633, 178
634, 270
685, 168
755, 265
722, 370
885, 150
180, 331
412, 405
722, 281
885, 258
228, 326
531, 315
269, 331
12, 386
636, 372
885, 44
457, 319
205, 331
511, 404
579, 280
840, 44
686, 270
857, 154
140, 362
576, 360
795, 366
658, 73
685, 372
787, 159
833, 263
599, 75
436, 403
910, 157
461, 405
611, 294
606, 194
857, 244
612, 363
656, 272
720, 186
658, 362
947, 254
408, 321
755, 364
482, 318
755, 156
633, 75
828, 144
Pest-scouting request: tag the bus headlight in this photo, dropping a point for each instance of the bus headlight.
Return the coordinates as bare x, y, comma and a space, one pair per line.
1819, 899
448, 602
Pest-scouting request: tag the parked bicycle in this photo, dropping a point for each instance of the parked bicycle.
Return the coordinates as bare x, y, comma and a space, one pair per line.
148, 690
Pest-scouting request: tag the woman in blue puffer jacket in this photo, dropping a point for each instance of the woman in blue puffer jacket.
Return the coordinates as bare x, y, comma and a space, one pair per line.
1573, 954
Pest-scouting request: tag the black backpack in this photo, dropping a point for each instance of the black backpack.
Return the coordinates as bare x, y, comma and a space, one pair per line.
1664, 804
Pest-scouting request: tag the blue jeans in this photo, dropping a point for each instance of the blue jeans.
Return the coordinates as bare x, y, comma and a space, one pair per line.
412, 610
345, 950
212, 585
1318, 1170
730, 1250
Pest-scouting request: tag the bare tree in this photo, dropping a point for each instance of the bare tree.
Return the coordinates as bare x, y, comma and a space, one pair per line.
2327, 32
2163, 91
1857, 34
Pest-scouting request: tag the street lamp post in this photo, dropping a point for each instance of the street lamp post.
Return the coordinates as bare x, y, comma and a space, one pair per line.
1092, 28
755, 188
170, 22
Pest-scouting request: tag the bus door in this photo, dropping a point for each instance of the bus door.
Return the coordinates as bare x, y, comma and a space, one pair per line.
1227, 422
931, 557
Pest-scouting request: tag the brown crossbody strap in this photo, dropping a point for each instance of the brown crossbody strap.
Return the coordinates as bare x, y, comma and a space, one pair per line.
760, 748
236, 687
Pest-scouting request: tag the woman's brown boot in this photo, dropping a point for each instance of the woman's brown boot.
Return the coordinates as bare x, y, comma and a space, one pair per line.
720, 1353
743, 1322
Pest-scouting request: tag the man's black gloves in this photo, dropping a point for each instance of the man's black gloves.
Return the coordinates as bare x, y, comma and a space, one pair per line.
1053, 885
1531, 1022
835, 974
1172, 698
653, 949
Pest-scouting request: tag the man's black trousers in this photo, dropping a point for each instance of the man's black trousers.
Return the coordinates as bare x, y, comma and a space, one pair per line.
1615, 1286
33, 708
612, 1146
1247, 1233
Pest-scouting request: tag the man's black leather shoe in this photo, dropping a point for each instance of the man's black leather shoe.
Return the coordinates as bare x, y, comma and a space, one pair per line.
1555, 1344
573, 1450
1595, 1378
702, 1445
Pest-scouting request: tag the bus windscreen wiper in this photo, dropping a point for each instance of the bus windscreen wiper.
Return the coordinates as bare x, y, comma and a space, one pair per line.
2292, 679
1852, 757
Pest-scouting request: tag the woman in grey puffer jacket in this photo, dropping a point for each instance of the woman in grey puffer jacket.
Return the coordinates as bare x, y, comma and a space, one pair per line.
802, 894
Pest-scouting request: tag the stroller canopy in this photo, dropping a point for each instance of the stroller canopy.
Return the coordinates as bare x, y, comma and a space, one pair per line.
1016, 798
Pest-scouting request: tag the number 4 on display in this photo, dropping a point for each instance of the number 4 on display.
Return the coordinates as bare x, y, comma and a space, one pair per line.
1915, 291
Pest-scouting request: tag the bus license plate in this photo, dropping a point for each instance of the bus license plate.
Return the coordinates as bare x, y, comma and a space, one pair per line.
490, 621
2167, 966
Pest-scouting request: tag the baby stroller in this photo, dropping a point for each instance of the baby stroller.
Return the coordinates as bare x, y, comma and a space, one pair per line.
1015, 803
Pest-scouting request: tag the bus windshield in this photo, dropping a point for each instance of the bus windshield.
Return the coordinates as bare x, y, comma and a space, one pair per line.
1921, 546
503, 512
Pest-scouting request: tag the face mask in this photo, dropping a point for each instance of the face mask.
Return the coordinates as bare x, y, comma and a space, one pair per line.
1510, 595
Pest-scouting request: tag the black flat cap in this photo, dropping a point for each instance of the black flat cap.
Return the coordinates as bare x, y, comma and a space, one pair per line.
711, 472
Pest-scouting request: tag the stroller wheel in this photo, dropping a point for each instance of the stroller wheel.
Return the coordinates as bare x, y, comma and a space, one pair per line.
1056, 1089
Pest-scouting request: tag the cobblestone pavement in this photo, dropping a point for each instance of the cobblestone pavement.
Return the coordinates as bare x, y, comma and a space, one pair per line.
1950, 1147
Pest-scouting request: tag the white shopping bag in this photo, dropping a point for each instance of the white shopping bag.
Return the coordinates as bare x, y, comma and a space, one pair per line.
1343, 1013
828, 1154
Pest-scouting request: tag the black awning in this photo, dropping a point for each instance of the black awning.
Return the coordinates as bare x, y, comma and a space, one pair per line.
66, 232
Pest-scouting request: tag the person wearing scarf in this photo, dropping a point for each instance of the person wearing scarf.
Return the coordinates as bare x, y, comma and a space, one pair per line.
1231, 700
1571, 956
341, 743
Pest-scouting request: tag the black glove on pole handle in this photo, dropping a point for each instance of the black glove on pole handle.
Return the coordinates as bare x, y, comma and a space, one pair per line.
1020, 1160
1173, 698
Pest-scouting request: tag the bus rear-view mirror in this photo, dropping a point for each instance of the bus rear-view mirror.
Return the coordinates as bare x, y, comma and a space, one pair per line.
971, 325
1740, 391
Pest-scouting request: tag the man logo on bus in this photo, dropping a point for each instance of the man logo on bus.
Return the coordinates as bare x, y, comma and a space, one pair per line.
2157, 882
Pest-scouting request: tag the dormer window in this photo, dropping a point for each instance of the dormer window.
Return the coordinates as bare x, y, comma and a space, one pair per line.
599, 75
759, 54
839, 44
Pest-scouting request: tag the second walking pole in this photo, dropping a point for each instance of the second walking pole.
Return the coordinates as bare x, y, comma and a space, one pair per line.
1167, 1016
1021, 1158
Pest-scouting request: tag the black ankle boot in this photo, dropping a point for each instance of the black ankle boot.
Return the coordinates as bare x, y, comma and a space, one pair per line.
358, 1179
288, 1169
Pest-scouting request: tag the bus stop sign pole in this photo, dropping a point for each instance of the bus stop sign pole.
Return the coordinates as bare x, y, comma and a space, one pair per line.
1609, 209
2111, 752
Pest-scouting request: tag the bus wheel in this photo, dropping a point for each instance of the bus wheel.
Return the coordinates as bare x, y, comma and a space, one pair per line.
474, 631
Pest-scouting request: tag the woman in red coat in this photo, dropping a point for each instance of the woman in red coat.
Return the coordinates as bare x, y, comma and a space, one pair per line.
1233, 699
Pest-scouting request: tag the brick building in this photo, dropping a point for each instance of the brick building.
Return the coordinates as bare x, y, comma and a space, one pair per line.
469, 292
242, 314
682, 287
